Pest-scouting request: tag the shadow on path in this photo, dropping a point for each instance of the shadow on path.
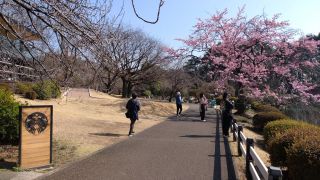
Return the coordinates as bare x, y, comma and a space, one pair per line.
223, 163
108, 134
219, 156
7, 165
198, 136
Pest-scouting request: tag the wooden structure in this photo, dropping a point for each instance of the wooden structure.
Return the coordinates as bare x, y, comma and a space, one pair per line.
14, 72
12, 68
35, 147
255, 168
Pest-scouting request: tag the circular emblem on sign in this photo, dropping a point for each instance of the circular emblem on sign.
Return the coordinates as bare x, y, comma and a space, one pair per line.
36, 123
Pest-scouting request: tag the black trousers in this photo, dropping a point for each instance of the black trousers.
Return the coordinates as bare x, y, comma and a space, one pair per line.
132, 125
202, 111
226, 123
179, 109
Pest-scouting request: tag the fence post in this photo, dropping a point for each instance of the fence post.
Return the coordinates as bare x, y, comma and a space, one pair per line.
249, 144
234, 129
275, 173
239, 140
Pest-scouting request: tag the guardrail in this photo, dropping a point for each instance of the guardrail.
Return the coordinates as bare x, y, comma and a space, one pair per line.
255, 168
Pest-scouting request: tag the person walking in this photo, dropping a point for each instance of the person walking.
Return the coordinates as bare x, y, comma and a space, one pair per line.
226, 114
133, 107
179, 103
203, 103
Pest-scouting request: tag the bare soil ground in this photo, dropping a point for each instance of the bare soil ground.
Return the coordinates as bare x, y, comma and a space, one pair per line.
83, 124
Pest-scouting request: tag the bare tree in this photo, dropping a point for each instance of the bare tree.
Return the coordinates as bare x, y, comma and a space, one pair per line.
129, 55
34, 28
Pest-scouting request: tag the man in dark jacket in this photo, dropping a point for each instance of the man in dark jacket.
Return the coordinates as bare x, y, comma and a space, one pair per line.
226, 114
133, 107
179, 103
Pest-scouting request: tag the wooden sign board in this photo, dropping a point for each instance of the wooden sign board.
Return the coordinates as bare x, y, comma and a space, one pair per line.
35, 149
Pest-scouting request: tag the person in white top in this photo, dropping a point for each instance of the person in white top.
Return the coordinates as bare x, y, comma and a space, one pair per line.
203, 103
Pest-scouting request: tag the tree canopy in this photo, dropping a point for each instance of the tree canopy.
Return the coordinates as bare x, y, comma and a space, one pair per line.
261, 55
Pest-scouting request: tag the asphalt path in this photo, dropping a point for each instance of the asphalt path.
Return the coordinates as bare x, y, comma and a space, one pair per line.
184, 148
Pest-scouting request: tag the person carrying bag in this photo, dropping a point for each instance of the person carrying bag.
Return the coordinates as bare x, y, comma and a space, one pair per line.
133, 107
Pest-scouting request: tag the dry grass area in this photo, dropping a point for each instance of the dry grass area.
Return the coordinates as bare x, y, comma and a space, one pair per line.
82, 124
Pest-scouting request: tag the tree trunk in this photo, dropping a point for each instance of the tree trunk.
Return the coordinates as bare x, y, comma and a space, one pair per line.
238, 89
129, 89
124, 87
171, 96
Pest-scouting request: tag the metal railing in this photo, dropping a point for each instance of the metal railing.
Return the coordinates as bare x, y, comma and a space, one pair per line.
255, 168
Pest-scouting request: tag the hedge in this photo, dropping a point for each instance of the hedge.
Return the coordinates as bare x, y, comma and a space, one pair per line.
263, 107
282, 142
276, 127
218, 100
262, 118
31, 95
241, 104
23, 88
9, 112
46, 90
304, 158
4, 86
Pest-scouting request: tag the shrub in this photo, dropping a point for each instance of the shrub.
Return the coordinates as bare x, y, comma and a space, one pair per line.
5, 87
276, 127
262, 118
254, 104
218, 100
241, 104
264, 107
46, 90
55, 90
233, 98
147, 93
31, 95
43, 91
23, 88
283, 141
9, 112
304, 158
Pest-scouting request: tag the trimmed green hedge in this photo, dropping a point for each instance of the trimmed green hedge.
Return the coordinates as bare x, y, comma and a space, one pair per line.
304, 158
9, 123
263, 107
262, 118
282, 142
280, 126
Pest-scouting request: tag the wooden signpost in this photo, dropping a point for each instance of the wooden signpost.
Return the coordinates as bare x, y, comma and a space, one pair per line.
35, 149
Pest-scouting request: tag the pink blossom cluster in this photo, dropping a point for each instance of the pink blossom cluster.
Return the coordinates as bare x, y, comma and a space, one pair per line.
259, 53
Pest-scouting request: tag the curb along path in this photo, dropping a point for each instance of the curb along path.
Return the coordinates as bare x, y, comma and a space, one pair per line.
175, 149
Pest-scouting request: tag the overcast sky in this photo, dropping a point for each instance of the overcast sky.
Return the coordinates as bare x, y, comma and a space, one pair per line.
178, 16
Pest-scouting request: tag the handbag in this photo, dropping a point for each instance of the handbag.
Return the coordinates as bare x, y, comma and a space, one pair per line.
127, 114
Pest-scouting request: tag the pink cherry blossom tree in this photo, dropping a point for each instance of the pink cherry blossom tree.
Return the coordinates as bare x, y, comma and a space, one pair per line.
260, 55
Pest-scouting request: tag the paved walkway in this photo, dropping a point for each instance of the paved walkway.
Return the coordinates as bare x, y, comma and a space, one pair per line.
175, 149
